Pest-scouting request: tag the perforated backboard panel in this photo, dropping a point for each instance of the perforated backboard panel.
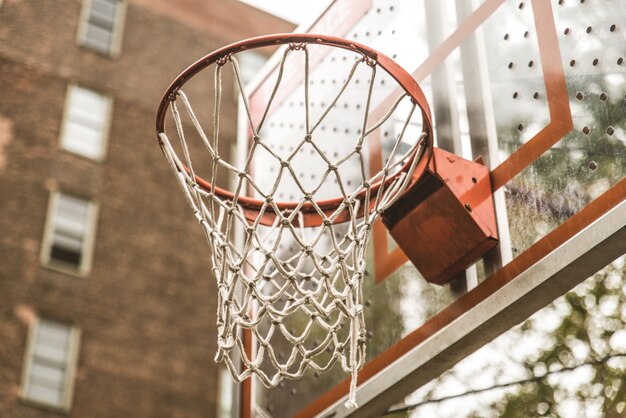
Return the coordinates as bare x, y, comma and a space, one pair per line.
535, 88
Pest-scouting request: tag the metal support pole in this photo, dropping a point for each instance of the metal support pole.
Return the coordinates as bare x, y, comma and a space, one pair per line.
482, 128
445, 110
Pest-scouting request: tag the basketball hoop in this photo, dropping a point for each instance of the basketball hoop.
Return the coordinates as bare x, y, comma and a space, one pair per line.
316, 287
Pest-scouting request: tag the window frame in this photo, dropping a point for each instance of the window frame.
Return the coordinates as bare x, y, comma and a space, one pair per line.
84, 268
115, 48
70, 366
106, 127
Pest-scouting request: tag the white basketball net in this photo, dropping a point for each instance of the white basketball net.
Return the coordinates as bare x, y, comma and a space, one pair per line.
310, 298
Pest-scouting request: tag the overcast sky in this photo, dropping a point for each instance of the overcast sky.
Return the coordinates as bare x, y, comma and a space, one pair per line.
296, 11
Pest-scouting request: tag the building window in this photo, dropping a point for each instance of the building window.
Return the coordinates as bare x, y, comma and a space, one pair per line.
68, 239
86, 122
50, 364
101, 25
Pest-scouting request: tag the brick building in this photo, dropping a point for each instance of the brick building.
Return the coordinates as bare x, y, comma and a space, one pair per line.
106, 303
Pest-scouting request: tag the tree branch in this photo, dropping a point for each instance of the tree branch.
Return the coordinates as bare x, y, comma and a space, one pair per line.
414, 406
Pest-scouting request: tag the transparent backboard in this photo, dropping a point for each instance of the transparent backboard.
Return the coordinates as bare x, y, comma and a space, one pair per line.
535, 88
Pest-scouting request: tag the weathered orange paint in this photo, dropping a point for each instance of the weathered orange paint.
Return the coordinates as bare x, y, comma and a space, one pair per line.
447, 220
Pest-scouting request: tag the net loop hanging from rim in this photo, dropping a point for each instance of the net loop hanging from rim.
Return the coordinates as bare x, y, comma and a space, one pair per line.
316, 288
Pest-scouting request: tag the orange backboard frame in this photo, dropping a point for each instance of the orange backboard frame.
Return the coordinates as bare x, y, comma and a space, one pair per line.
559, 125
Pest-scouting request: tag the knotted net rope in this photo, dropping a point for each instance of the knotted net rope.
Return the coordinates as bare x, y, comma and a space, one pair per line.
311, 298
